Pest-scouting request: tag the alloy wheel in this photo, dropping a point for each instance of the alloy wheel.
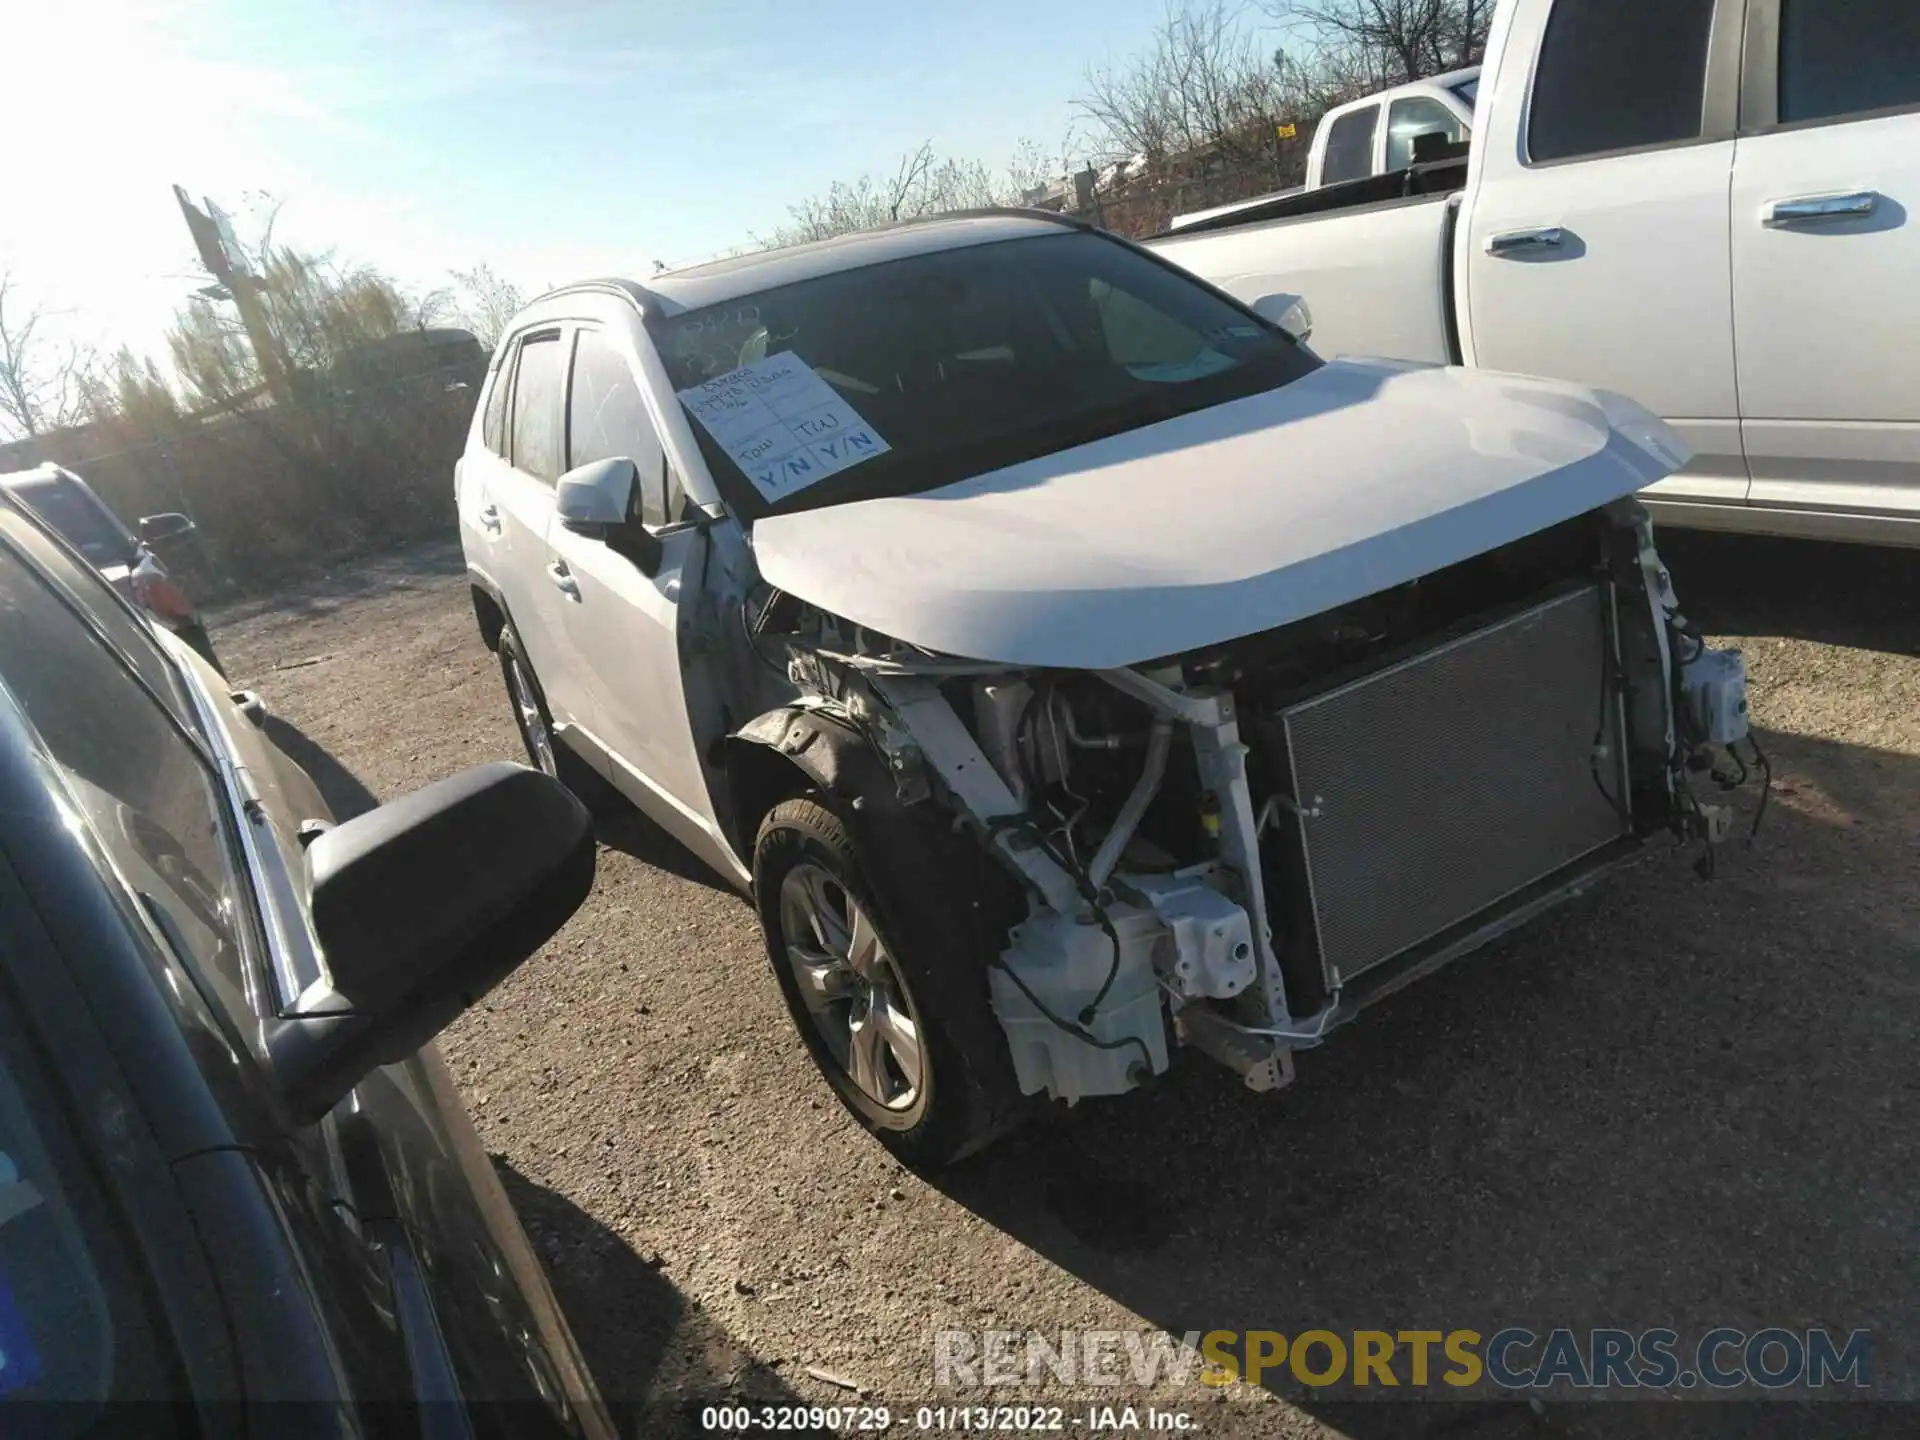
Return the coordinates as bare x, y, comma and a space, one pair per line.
853, 991
533, 721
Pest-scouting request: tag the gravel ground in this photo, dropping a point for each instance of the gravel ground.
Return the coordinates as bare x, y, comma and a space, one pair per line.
1672, 1102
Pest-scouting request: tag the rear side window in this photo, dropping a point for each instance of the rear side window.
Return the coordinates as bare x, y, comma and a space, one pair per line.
1414, 116
493, 420
538, 378
1843, 59
1615, 74
1350, 146
82, 520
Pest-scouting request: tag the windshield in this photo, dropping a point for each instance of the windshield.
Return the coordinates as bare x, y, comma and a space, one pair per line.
81, 519
1469, 91
951, 364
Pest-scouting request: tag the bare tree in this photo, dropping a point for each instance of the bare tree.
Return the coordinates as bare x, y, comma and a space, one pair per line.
1389, 42
484, 302
922, 184
43, 385
1204, 86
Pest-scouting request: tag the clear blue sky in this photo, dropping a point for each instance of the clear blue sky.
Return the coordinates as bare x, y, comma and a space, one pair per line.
549, 140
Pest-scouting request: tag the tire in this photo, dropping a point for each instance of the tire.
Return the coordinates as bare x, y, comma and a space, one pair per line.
925, 965
534, 721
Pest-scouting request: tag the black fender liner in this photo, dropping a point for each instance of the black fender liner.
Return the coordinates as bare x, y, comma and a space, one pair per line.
797, 747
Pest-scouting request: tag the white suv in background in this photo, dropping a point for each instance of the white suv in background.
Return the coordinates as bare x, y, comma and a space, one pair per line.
1067, 661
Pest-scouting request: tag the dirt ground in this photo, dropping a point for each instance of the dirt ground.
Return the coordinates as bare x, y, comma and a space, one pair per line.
1673, 1102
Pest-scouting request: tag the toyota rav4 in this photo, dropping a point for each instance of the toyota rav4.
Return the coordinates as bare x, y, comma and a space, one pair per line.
1069, 662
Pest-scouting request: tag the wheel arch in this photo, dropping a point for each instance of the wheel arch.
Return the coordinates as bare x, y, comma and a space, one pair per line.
788, 751
489, 606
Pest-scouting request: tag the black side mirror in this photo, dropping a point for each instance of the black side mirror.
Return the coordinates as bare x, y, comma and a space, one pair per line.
422, 906
170, 525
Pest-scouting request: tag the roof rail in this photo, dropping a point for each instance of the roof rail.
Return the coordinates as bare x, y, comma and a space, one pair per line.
632, 291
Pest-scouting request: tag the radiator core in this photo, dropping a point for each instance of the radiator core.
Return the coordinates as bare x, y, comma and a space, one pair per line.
1448, 781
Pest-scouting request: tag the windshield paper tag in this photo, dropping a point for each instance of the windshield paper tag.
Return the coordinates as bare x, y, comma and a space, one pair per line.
783, 425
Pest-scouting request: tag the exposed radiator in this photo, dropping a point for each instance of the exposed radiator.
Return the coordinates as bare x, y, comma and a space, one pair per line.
1450, 780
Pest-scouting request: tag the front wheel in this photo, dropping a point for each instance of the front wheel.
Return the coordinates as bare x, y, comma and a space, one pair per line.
895, 1015
535, 724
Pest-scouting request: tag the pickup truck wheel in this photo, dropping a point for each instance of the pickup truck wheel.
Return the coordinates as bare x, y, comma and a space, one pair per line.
896, 1017
535, 724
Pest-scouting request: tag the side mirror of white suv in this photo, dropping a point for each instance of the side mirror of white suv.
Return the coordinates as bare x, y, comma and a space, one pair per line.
592, 499
595, 500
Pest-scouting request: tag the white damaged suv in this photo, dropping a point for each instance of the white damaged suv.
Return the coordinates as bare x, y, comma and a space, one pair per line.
1069, 662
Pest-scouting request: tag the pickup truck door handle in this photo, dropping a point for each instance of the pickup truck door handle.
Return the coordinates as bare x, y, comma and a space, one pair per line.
490, 519
1514, 242
563, 580
1812, 209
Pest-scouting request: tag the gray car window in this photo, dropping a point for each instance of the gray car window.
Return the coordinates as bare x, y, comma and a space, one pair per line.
537, 439
1350, 146
144, 788
81, 517
126, 628
1417, 115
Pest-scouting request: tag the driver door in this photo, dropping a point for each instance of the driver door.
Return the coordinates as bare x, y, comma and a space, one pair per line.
622, 625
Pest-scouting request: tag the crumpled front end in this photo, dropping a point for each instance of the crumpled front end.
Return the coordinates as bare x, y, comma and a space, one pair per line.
1238, 847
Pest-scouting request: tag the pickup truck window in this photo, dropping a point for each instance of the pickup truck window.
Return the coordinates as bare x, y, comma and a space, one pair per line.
1415, 116
1847, 59
971, 359
1616, 74
1350, 146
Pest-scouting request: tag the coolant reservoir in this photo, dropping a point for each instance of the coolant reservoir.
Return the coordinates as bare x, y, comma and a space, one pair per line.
1713, 685
1064, 963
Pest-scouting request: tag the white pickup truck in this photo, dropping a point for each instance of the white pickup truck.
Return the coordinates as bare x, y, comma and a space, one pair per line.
1350, 143
1707, 206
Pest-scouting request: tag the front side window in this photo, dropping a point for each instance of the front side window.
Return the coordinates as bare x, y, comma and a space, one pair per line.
1615, 74
538, 379
971, 359
1414, 116
1845, 59
145, 790
605, 414
1469, 91
1350, 146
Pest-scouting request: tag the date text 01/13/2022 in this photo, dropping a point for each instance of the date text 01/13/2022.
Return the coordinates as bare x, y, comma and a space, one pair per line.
943, 1419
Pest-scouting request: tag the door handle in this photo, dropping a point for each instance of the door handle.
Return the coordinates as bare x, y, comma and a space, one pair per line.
1515, 242
1812, 209
490, 518
563, 580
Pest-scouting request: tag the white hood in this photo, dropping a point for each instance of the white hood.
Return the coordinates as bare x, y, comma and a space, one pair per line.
1241, 518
